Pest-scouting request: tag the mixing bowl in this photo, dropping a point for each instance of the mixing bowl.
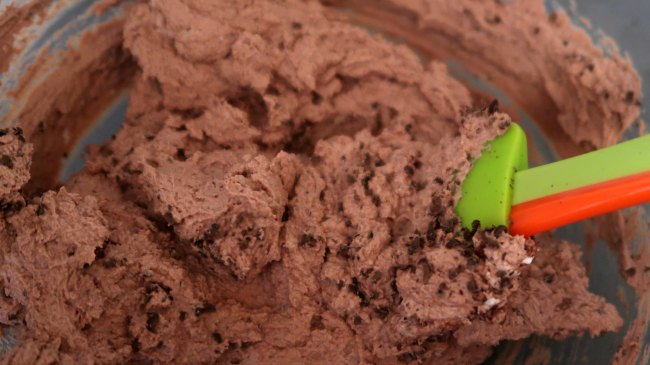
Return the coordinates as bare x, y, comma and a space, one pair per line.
54, 26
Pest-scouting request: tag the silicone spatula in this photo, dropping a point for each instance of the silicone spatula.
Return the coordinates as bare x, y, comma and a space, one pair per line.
500, 189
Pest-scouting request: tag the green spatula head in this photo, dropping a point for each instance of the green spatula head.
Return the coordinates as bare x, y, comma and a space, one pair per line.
487, 188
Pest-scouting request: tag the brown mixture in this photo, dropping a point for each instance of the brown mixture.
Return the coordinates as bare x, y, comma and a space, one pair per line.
282, 192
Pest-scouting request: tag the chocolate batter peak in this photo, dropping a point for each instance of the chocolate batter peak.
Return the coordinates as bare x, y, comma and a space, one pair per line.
281, 192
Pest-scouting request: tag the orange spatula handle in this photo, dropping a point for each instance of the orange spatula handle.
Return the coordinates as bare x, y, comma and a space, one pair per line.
556, 210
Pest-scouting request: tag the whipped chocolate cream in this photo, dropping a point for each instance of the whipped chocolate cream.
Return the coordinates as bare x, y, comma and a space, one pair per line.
282, 192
